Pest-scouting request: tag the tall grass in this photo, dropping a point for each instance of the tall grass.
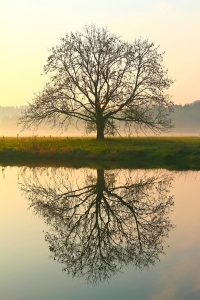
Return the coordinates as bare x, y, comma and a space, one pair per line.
146, 150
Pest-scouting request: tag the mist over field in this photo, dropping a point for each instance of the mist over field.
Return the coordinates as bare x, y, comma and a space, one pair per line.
186, 119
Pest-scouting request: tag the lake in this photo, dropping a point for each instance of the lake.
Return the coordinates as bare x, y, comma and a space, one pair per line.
99, 234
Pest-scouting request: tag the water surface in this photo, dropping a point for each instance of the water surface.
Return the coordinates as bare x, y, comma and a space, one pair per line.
99, 234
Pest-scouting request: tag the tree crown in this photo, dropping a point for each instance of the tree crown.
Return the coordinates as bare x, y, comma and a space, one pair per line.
98, 78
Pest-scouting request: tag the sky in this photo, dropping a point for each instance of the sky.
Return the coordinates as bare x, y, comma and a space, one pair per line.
29, 28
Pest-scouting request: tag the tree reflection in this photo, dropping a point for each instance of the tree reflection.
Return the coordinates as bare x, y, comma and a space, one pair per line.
104, 221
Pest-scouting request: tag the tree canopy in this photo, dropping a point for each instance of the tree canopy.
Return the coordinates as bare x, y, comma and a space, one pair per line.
100, 79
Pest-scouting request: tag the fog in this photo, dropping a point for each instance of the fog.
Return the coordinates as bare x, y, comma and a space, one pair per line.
186, 120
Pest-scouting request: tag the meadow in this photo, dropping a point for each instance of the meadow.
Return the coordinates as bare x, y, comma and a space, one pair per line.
138, 152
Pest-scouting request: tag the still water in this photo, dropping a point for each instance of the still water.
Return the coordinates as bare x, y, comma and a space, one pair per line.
99, 234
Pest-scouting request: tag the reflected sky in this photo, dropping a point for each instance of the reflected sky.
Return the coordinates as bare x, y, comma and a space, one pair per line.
30, 273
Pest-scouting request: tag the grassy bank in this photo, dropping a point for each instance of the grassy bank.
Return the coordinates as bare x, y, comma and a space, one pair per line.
169, 152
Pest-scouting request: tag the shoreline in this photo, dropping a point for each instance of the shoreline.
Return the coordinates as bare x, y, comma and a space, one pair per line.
139, 152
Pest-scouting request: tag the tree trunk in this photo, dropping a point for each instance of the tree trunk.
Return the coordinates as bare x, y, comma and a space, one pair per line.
100, 129
100, 180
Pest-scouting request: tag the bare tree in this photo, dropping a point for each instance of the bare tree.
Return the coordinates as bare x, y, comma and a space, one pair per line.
100, 79
99, 226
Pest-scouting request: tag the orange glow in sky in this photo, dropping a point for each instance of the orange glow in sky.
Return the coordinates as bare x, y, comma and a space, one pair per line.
29, 28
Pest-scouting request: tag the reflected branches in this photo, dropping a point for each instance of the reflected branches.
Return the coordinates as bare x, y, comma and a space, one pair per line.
102, 220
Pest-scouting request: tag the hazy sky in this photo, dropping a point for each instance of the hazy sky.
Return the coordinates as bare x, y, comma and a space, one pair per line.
28, 28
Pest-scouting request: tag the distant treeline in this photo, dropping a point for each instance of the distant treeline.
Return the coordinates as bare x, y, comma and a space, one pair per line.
186, 119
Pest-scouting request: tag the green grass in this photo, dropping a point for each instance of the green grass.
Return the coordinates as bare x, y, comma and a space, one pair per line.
169, 152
